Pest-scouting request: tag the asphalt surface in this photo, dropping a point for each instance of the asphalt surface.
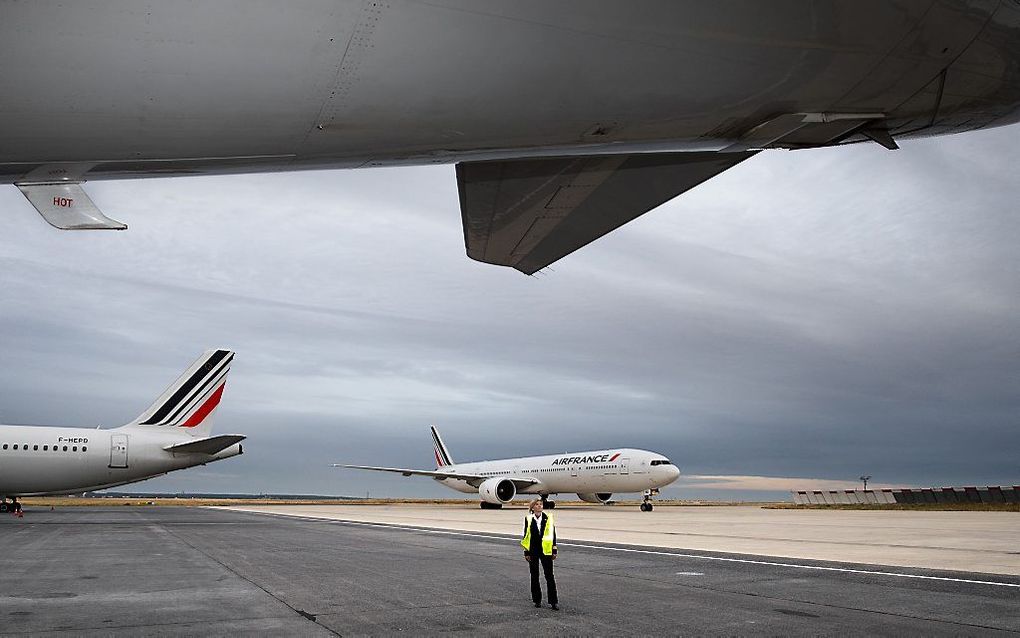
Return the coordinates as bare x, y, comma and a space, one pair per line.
185, 571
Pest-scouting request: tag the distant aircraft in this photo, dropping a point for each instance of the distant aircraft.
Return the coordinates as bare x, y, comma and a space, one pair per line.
566, 119
173, 434
594, 475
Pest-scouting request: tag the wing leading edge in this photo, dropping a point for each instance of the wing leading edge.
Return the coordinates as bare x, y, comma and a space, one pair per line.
529, 213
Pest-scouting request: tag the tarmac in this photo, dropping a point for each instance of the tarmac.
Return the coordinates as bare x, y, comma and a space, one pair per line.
971, 541
154, 571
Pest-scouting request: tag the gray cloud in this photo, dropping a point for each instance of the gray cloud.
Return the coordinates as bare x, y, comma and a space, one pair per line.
813, 314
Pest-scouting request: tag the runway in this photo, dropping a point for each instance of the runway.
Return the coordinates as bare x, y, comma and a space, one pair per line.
190, 571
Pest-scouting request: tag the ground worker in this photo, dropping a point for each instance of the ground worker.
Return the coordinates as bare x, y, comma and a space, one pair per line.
539, 544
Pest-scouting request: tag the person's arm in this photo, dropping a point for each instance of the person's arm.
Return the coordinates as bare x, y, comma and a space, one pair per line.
554, 542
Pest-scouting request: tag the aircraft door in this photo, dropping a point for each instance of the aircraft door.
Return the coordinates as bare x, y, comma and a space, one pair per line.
118, 450
624, 466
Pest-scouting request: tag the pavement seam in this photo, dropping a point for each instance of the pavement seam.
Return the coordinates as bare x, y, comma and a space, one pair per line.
300, 612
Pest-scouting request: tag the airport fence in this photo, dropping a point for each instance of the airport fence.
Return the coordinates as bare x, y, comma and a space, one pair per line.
912, 495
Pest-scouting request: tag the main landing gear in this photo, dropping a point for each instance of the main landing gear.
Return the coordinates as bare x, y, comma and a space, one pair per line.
14, 507
646, 502
547, 504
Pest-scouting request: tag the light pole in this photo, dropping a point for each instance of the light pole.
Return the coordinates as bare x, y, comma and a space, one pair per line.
866, 479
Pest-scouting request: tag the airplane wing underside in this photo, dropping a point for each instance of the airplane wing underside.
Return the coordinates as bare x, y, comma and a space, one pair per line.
529, 213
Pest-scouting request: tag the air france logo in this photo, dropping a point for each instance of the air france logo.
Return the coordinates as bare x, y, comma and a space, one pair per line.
599, 458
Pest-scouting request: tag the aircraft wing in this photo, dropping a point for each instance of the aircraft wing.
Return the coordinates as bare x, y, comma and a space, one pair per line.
410, 472
472, 479
529, 213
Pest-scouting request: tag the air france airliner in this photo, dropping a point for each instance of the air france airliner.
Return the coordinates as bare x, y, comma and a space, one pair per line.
173, 434
594, 475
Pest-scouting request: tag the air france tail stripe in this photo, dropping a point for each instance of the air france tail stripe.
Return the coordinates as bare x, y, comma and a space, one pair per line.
443, 457
185, 389
189, 404
206, 408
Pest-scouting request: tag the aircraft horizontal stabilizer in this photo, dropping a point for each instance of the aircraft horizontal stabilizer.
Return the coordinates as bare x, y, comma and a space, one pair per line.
209, 445
66, 206
529, 213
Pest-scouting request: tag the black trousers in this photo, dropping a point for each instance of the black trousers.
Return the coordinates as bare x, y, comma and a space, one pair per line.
550, 580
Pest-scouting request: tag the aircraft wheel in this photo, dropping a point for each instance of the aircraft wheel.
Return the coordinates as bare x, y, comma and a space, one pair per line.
549, 505
3, 507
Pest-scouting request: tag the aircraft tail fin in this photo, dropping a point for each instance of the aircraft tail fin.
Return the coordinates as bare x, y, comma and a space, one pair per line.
191, 401
442, 455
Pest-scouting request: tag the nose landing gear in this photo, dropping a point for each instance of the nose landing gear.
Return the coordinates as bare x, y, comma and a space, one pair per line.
646, 501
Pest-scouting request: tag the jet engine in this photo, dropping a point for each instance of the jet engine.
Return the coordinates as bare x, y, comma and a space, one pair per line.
497, 491
595, 497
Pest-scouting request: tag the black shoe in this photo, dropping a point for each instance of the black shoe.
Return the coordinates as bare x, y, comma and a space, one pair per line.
555, 607
538, 604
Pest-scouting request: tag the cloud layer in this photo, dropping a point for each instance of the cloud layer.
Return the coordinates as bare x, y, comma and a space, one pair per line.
819, 314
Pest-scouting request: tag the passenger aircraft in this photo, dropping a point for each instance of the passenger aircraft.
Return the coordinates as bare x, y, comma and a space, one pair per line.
173, 434
565, 119
594, 475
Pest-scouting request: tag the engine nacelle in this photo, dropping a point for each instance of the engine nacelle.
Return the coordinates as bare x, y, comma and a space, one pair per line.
595, 497
497, 490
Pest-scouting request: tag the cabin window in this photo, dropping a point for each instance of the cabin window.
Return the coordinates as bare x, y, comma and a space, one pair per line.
65, 448
5, 446
74, 449
35, 448
84, 449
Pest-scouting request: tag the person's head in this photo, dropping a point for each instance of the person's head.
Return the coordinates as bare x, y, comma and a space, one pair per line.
536, 507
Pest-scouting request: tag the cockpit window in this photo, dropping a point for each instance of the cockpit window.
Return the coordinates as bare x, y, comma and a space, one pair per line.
661, 462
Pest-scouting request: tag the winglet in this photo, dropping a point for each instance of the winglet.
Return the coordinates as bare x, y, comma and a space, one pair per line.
66, 206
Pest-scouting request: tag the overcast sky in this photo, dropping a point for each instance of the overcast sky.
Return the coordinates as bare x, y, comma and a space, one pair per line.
805, 317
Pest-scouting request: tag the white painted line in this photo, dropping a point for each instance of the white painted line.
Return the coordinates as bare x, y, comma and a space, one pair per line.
690, 573
747, 561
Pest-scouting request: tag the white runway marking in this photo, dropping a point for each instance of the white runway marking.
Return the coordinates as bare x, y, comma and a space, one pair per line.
747, 561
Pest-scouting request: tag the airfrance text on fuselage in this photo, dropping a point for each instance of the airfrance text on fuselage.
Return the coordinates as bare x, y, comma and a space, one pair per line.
600, 458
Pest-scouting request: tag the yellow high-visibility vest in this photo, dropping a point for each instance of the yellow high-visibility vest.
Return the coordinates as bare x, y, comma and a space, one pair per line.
547, 535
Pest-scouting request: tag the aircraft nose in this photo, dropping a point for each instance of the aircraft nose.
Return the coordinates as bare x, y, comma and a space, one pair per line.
674, 472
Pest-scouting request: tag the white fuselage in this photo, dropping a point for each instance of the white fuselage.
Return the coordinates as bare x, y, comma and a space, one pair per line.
59, 460
612, 471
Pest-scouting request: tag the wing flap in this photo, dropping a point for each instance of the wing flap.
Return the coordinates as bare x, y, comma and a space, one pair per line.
529, 213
